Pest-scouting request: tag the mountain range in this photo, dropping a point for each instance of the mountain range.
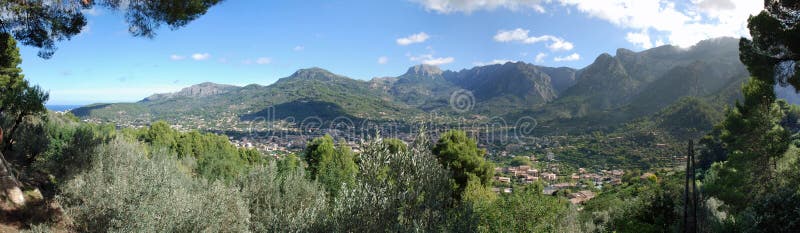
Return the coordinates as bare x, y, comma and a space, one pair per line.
614, 89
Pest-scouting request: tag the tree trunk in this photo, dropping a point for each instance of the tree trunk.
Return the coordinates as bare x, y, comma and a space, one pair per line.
9, 142
9, 183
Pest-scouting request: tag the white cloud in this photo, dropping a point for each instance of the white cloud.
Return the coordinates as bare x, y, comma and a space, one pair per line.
641, 39
540, 57
299, 48
468, 6
416, 38
560, 45
263, 60
514, 35
176, 57
383, 60
716, 4
683, 25
493, 62
201, 56
439, 61
572, 57
429, 59
521, 35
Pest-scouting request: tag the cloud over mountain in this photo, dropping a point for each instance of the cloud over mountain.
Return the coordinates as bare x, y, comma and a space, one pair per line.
521, 35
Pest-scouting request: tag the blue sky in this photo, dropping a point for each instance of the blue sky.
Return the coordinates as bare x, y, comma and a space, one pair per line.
243, 42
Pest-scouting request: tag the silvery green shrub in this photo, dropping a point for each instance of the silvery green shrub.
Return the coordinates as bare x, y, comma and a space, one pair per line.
283, 202
125, 191
399, 191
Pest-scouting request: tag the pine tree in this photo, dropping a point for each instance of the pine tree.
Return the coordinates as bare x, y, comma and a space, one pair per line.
42, 23
331, 166
459, 153
17, 100
752, 133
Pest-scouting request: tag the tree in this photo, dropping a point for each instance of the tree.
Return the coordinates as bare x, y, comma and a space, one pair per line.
331, 166
315, 151
527, 210
41, 23
461, 155
755, 134
289, 163
125, 191
520, 161
17, 98
400, 191
773, 52
283, 201
395, 145
161, 134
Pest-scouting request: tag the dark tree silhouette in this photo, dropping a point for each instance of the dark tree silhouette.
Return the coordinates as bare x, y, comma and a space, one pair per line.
773, 52
41, 23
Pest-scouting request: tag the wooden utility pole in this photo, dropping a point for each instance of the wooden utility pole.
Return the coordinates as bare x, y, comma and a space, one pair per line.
690, 194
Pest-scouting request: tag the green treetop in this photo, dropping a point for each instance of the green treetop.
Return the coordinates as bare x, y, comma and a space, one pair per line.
395, 145
331, 166
17, 98
459, 153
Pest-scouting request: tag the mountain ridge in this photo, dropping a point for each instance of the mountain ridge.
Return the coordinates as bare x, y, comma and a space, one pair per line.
618, 88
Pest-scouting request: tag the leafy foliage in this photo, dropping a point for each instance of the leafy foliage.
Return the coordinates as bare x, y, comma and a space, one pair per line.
636, 206
216, 157
125, 191
283, 201
525, 210
331, 166
754, 146
395, 191
460, 154
17, 98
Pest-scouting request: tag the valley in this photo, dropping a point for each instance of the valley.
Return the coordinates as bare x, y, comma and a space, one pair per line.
666, 95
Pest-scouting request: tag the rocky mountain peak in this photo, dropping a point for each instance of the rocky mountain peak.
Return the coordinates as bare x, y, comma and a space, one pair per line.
194, 91
424, 70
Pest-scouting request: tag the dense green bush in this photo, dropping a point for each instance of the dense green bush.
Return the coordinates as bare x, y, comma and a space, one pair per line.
395, 191
525, 210
637, 206
125, 191
70, 146
216, 157
283, 200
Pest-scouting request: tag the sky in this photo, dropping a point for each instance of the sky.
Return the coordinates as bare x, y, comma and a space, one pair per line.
243, 42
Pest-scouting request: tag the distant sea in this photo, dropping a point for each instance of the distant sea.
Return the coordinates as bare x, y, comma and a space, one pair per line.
61, 108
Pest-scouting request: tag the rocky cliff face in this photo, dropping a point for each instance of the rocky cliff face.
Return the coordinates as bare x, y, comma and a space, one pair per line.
199, 90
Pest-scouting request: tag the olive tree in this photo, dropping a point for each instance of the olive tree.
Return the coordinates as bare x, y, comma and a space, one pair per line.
395, 191
125, 191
